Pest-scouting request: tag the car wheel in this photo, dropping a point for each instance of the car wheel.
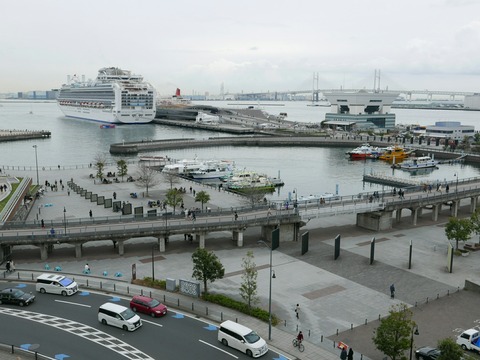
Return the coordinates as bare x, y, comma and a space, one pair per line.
104, 322
464, 347
225, 342
42, 290
21, 303
64, 293
152, 314
249, 353
124, 327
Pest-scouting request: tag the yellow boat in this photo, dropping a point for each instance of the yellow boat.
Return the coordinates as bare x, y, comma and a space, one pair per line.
395, 153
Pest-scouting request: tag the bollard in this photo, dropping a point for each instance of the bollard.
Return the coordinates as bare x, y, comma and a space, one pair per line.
18, 275
427, 300
334, 344
221, 316
163, 297
361, 356
379, 317
438, 296
321, 338
285, 323
415, 304
128, 289
178, 302
297, 328
351, 326
193, 307
150, 293
365, 321
101, 285
141, 292
206, 311
337, 332
87, 282
448, 292
32, 276
309, 333
114, 287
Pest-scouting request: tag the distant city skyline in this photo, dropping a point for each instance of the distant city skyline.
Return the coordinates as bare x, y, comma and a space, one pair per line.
248, 46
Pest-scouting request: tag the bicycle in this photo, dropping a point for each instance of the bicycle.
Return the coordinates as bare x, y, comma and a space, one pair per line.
298, 344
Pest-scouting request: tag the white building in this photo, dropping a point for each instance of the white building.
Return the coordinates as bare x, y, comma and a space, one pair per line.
453, 130
361, 110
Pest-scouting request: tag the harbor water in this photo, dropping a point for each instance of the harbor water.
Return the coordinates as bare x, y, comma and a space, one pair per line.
305, 170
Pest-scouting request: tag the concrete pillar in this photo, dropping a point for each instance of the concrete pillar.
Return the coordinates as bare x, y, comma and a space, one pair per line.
398, 215
121, 247
473, 204
240, 239
420, 212
5, 250
435, 212
201, 240
78, 250
414, 216
161, 244
43, 251
454, 210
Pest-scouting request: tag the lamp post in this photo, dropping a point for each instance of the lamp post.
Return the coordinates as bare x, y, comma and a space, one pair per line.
295, 203
456, 182
65, 220
414, 332
36, 162
272, 276
153, 265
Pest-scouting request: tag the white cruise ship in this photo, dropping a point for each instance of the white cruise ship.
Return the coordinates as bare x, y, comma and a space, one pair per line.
115, 97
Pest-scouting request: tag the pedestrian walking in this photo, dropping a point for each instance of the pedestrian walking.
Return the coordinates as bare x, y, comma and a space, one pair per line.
86, 269
392, 291
350, 354
235, 216
297, 310
114, 195
7, 266
42, 223
447, 188
52, 232
343, 354
90, 213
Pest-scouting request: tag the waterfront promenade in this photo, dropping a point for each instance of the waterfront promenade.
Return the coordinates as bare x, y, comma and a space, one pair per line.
333, 295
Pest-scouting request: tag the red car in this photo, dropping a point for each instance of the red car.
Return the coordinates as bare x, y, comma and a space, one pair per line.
148, 306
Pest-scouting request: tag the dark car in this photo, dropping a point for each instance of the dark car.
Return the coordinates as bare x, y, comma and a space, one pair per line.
16, 297
427, 353
148, 306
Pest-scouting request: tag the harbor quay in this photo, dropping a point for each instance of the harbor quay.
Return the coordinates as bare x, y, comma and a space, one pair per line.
340, 300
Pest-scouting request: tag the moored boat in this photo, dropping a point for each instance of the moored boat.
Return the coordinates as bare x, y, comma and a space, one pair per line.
395, 153
365, 151
421, 162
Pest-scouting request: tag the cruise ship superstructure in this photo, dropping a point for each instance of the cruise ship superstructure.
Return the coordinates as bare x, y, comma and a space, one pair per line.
115, 96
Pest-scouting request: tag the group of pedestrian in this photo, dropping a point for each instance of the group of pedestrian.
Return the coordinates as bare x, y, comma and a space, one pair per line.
10, 266
3, 188
346, 356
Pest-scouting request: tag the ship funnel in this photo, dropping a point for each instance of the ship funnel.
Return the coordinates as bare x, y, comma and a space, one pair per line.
177, 93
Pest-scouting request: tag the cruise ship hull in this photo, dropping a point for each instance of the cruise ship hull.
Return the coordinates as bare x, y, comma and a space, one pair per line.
107, 116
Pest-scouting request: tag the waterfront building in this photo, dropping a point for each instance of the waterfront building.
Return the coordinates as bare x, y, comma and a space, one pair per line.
361, 110
472, 102
453, 130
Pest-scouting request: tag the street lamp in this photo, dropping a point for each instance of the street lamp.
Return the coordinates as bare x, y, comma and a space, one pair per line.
414, 332
153, 265
36, 162
65, 220
295, 204
272, 276
456, 184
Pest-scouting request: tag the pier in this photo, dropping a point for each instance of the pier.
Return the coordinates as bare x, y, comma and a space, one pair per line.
15, 135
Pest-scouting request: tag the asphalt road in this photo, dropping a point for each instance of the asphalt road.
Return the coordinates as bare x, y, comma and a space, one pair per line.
59, 326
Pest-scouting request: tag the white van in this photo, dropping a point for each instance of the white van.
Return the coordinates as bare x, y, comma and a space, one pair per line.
119, 316
242, 338
56, 284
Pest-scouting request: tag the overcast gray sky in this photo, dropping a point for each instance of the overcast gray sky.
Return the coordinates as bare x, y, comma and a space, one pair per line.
248, 45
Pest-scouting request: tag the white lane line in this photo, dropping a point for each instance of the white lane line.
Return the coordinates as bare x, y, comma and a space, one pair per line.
151, 322
72, 303
215, 347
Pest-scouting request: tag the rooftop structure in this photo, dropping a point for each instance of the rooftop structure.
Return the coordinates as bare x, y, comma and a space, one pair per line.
361, 110
453, 130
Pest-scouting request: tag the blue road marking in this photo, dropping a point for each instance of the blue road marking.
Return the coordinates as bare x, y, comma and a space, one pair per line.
84, 293
25, 346
211, 328
20, 286
178, 316
116, 299
61, 356
280, 357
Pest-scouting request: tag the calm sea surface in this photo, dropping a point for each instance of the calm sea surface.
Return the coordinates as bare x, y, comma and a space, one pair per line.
308, 170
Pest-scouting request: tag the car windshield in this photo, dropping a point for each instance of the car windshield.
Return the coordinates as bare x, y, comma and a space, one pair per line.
154, 303
17, 293
66, 281
128, 314
252, 338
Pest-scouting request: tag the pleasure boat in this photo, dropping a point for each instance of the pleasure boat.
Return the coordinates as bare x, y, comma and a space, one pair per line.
365, 151
421, 162
395, 153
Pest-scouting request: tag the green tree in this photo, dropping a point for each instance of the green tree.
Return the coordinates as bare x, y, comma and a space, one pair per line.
146, 177
202, 197
393, 335
100, 162
458, 229
206, 267
122, 168
174, 198
248, 288
450, 350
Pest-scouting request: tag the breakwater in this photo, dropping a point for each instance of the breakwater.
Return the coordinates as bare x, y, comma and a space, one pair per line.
15, 135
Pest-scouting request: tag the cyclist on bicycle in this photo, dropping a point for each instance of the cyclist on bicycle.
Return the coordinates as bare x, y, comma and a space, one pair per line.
300, 338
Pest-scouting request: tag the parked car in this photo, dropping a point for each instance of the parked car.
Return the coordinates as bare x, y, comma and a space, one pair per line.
427, 353
16, 297
148, 306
